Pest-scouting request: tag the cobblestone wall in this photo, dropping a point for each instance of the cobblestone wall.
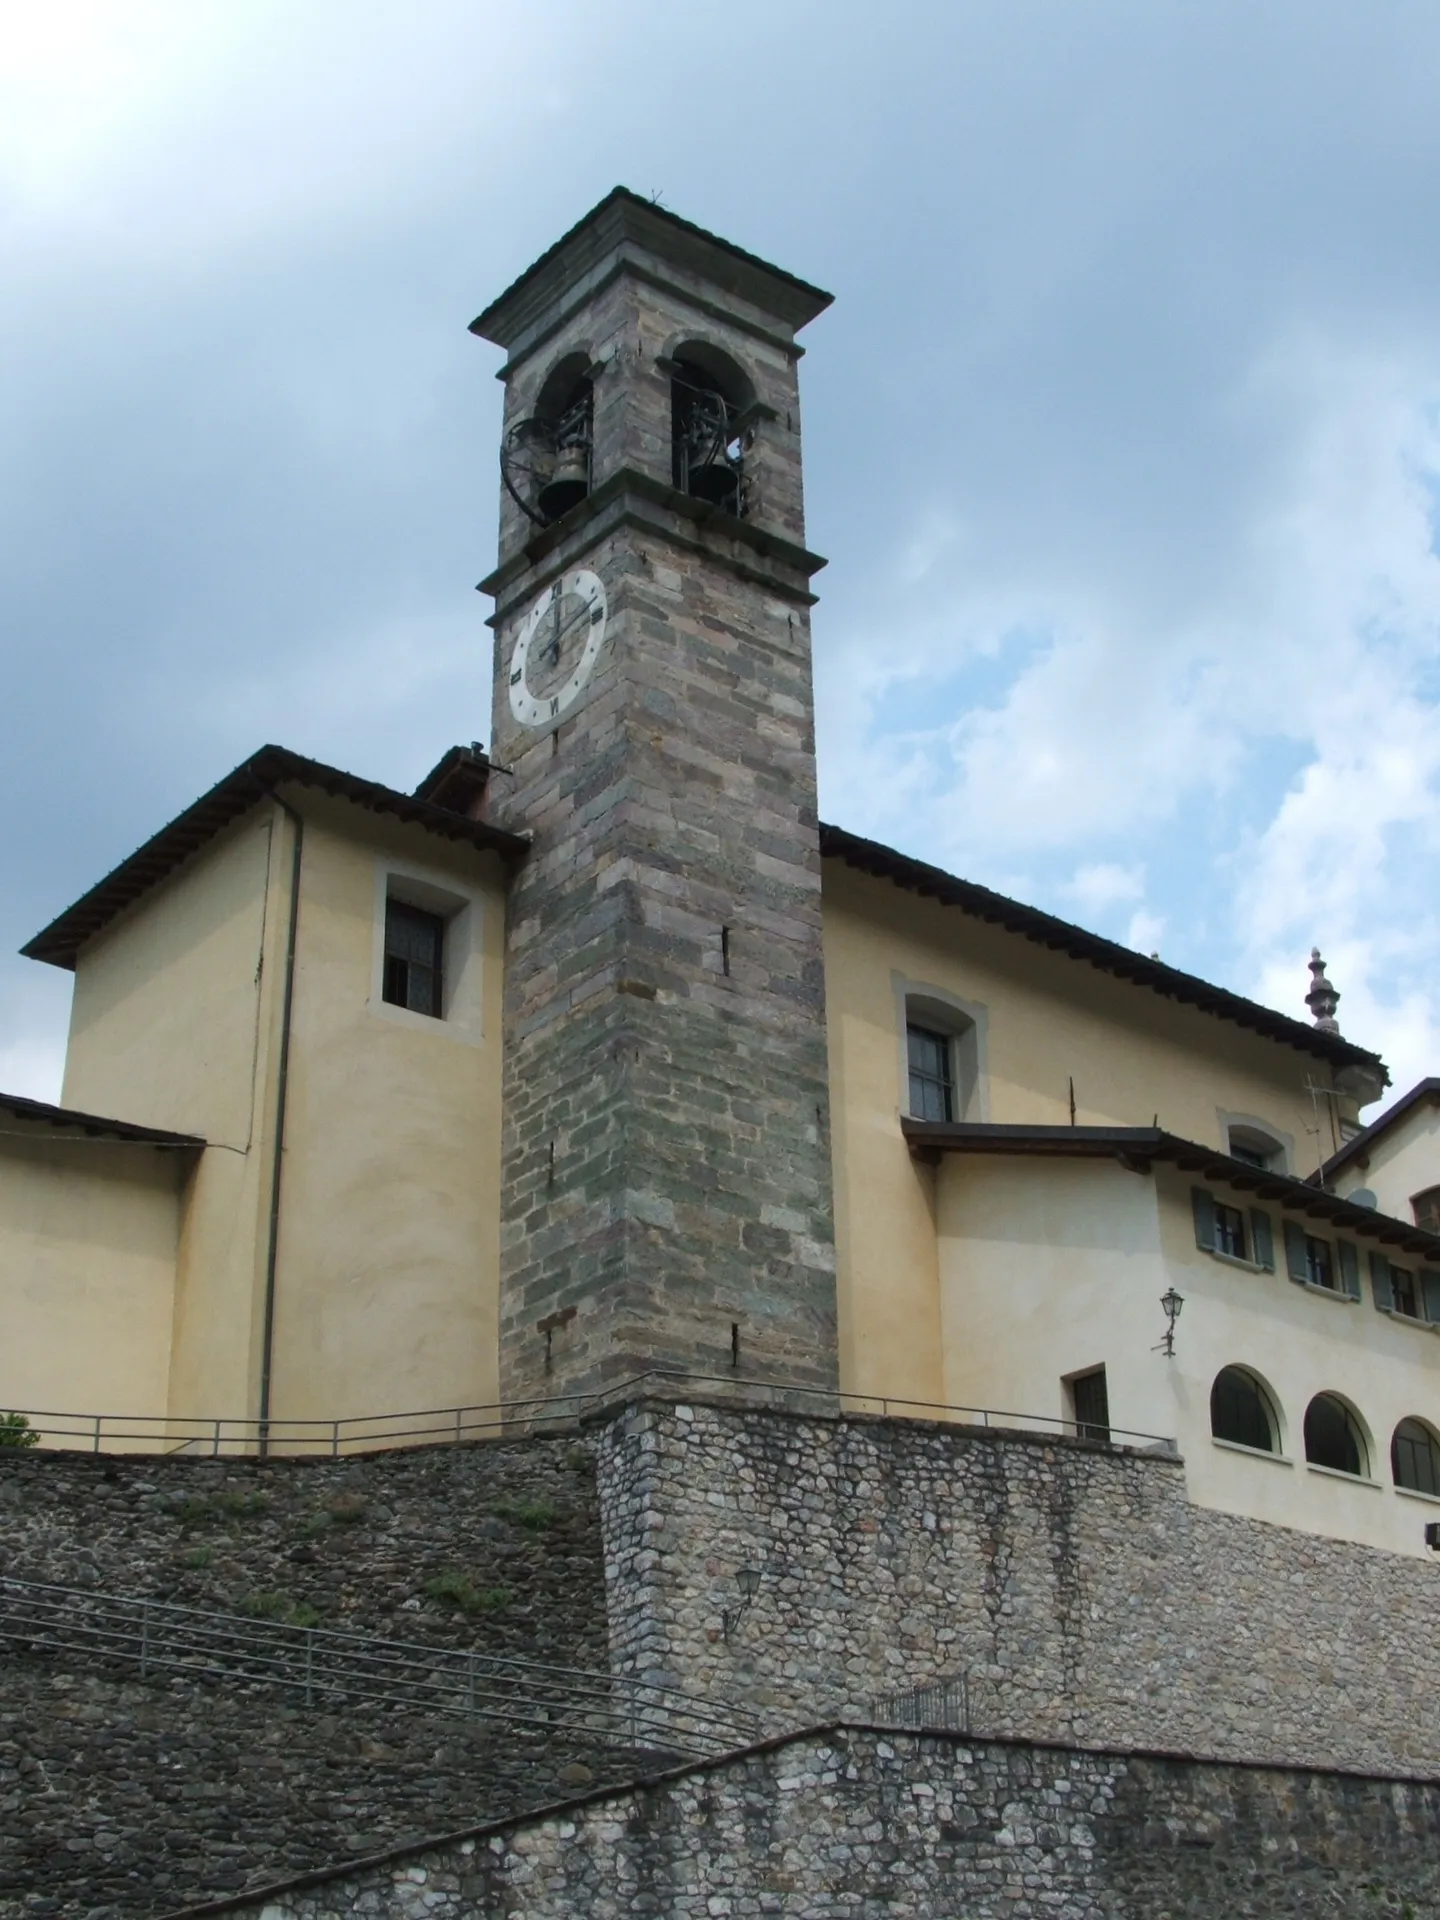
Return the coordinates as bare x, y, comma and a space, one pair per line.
120, 1798
493, 1545
857, 1823
1076, 1587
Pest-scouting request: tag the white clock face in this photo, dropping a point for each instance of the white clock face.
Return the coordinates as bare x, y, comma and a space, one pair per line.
557, 647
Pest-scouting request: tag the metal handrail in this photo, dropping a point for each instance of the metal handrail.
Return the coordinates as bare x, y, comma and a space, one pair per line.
940, 1703
328, 1666
441, 1426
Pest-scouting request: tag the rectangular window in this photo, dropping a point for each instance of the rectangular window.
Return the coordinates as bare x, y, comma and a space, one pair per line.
1312, 1262
932, 1082
1319, 1263
1230, 1231
1090, 1398
414, 958
1403, 1295
1426, 1208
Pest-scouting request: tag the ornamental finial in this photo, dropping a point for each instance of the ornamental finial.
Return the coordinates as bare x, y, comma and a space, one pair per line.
1322, 999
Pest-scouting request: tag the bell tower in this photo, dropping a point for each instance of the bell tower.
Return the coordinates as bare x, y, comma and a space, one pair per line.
666, 1186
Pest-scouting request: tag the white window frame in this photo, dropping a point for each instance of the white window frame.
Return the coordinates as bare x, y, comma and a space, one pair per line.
462, 909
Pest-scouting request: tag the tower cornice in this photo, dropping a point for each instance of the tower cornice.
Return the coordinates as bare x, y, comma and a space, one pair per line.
623, 226
636, 499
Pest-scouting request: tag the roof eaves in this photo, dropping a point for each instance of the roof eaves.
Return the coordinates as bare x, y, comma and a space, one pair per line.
40, 1113
813, 298
244, 787
1139, 1147
1356, 1149
1108, 956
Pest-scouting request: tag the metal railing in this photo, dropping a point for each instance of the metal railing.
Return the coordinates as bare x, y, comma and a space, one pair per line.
943, 1704
329, 1669
511, 1419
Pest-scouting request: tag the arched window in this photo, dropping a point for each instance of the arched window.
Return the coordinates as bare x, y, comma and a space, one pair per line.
1256, 1147
1240, 1411
545, 460
711, 405
1415, 1457
1333, 1438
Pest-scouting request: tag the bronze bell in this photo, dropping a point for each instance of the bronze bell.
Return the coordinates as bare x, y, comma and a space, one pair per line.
712, 478
568, 484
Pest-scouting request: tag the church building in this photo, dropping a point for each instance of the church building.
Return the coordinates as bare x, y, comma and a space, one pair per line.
599, 1056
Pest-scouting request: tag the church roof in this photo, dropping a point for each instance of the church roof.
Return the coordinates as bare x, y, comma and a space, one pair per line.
1140, 1147
625, 216
252, 781
869, 856
16, 1107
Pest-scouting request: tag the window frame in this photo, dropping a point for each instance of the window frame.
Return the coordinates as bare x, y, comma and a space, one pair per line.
462, 906
1262, 1144
1265, 1400
1424, 1290
1355, 1430
1093, 1429
939, 1079
1341, 1259
1257, 1230
397, 911
964, 1023
1432, 1448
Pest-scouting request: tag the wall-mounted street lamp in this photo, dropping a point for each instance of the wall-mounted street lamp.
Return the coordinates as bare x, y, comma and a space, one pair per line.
747, 1579
1172, 1302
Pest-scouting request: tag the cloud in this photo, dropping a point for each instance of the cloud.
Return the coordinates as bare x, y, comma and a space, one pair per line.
1121, 434
1104, 884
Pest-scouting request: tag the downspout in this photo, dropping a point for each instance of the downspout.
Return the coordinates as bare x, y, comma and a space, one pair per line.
282, 1083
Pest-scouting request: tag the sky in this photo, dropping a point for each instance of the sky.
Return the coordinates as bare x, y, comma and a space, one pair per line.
1122, 436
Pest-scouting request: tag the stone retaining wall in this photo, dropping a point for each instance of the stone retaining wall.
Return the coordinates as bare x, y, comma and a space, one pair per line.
872, 1825
492, 1545
1076, 1587
121, 1798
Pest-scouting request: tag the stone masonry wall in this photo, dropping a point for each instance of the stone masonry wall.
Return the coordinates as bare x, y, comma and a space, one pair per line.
120, 1797
494, 1546
853, 1822
1074, 1586
666, 1172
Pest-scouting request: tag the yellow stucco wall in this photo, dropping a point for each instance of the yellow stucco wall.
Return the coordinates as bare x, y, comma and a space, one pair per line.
387, 1292
173, 1025
387, 1272
1042, 1019
1400, 1164
89, 1230
1050, 1268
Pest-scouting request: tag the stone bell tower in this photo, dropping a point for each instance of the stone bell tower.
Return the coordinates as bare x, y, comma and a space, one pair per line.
666, 1188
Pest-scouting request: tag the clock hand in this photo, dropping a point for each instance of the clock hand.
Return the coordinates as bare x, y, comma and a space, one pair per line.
552, 652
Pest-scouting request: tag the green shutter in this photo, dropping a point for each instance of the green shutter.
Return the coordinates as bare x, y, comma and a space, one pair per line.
1204, 1207
1262, 1240
1295, 1253
1430, 1293
1349, 1268
1380, 1283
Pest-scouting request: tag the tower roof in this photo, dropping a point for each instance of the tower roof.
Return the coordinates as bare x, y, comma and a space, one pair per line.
625, 225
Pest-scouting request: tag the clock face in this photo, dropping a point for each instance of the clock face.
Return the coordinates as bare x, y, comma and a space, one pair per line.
557, 647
